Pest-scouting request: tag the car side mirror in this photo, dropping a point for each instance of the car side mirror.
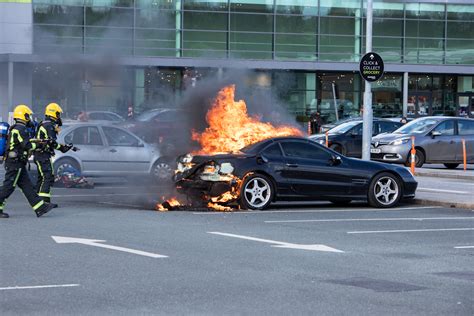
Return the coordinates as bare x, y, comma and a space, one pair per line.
262, 159
435, 133
335, 160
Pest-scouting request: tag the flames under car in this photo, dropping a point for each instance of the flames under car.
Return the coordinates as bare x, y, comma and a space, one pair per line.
289, 168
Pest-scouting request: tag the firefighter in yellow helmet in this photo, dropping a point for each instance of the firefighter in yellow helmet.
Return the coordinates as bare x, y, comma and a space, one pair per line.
18, 149
48, 129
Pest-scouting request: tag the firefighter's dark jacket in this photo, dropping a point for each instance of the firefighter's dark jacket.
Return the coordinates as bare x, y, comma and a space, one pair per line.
18, 144
47, 130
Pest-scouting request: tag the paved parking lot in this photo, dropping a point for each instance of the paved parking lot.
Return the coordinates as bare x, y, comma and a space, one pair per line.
292, 259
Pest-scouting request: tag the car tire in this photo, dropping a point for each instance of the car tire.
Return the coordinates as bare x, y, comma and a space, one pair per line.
64, 163
338, 148
451, 165
385, 190
341, 202
419, 159
256, 192
162, 170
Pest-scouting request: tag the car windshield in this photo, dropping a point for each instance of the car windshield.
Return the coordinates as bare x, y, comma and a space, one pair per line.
344, 127
146, 116
417, 127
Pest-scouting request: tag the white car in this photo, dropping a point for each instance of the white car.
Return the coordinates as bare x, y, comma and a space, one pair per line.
107, 150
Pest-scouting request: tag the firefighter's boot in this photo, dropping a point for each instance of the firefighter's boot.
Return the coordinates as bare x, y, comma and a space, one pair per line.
45, 208
2, 214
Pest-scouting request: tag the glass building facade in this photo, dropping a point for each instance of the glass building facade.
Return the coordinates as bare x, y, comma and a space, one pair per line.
305, 52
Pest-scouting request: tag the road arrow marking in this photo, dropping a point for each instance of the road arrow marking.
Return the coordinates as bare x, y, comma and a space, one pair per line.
464, 247
279, 244
97, 243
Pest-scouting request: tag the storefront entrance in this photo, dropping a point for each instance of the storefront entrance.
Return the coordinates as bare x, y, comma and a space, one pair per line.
419, 104
465, 104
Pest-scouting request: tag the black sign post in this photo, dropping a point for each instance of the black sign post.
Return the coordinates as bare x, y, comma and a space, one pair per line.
371, 67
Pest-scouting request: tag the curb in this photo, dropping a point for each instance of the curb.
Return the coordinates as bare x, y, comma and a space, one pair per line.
446, 176
444, 204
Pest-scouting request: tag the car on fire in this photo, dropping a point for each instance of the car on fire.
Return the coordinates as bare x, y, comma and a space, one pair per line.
290, 168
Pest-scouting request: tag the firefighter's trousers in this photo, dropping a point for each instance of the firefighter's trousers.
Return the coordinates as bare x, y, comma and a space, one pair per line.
16, 174
45, 178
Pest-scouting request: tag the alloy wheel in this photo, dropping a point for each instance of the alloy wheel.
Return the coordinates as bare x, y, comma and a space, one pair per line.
257, 192
162, 171
386, 190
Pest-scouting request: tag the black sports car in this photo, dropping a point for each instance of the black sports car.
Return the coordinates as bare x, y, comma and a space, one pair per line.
291, 168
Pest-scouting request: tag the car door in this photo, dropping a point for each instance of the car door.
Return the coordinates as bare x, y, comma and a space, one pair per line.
275, 165
354, 141
443, 147
466, 132
310, 172
127, 153
92, 153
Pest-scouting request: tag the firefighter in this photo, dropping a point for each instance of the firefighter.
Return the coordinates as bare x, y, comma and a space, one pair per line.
48, 130
18, 149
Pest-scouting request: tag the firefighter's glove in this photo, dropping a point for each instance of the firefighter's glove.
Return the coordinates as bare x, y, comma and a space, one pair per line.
65, 148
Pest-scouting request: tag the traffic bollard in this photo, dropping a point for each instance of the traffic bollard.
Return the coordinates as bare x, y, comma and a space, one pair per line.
327, 139
464, 158
309, 128
413, 156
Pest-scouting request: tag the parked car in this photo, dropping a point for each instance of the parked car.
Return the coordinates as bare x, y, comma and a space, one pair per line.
107, 150
329, 126
154, 124
293, 168
437, 140
346, 138
104, 116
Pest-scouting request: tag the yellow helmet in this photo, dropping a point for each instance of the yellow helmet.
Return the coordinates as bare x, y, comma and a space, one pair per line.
53, 110
22, 112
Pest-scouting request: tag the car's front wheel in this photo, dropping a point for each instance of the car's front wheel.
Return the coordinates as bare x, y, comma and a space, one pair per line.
64, 164
162, 171
419, 159
385, 190
256, 192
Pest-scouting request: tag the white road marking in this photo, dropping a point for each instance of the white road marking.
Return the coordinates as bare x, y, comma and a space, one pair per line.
370, 219
464, 247
320, 210
37, 287
280, 244
409, 230
442, 191
97, 243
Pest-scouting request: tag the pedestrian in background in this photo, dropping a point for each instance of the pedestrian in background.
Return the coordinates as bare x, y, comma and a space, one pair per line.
316, 122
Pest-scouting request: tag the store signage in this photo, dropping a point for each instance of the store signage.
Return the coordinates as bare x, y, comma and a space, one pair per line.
371, 67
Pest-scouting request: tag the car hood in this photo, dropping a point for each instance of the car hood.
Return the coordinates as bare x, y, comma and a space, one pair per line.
380, 166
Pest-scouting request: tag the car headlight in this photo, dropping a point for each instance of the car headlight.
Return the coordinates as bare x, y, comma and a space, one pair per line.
400, 141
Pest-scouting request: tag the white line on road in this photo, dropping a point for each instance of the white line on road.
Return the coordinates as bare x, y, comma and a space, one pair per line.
464, 247
409, 230
321, 210
280, 244
97, 243
442, 191
370, 219
37, 287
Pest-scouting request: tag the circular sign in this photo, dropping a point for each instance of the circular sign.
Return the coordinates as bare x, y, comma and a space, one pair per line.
371, 67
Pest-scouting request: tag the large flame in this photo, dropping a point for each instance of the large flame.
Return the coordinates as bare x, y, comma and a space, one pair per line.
231, 128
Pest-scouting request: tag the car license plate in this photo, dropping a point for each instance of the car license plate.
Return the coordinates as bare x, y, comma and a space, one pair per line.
375, 150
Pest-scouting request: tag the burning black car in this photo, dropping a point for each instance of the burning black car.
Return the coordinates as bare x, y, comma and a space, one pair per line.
289, 168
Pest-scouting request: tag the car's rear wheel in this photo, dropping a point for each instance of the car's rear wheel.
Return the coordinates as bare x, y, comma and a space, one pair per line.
385, 190
256, 192
337, 148
64, 164
451, 165
162, 170
419, 159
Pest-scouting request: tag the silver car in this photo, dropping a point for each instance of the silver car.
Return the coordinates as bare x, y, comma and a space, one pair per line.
109, 151
437, 140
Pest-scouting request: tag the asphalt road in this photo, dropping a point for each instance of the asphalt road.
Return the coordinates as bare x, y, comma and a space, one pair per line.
292, 259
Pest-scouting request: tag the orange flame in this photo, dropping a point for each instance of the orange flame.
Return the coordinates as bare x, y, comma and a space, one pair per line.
231, 128
173, 202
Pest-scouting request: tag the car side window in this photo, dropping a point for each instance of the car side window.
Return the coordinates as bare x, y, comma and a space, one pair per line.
356, 130
84, 136
118, 137
388, 127
304, 150
465, 127
445, 128
272, 151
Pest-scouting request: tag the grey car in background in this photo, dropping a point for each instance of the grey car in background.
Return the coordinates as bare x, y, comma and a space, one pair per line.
437, 140
107, 150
